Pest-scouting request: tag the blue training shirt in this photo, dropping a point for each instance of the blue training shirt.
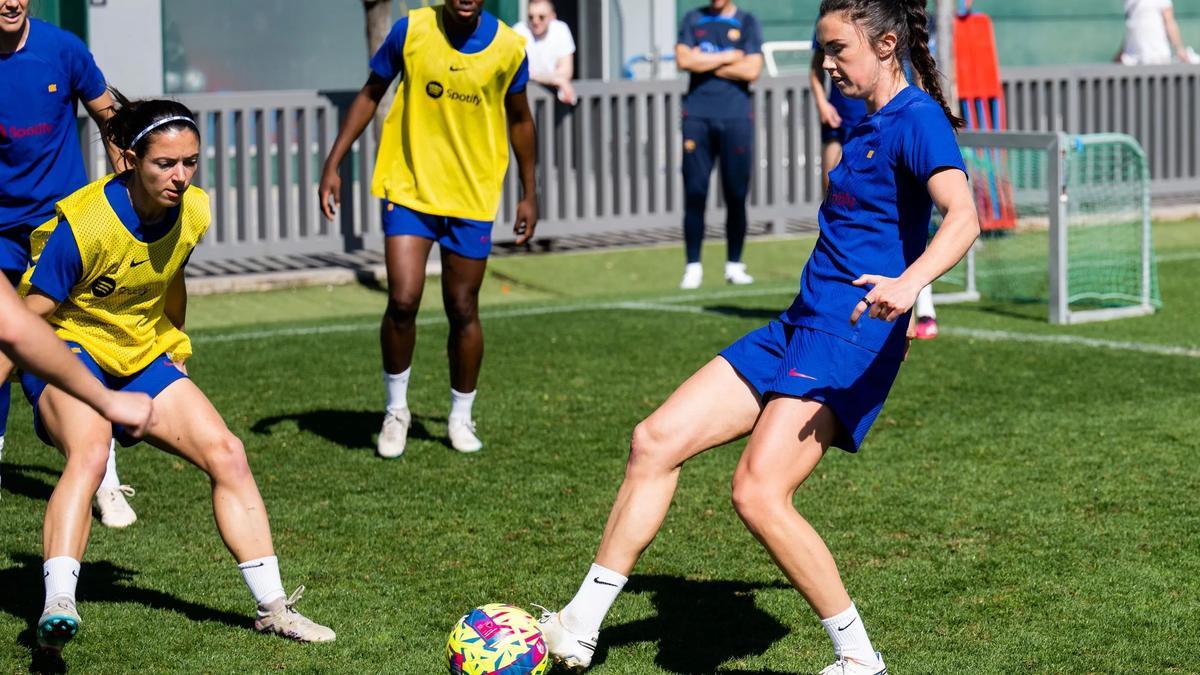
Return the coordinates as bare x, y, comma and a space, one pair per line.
60, 267
388, 61
710, 96
875, 216
40, 158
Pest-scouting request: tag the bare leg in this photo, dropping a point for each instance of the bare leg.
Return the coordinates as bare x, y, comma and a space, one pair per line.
83, 436
461, 280
405, 257
788, 442
714, 406
189, 426
831, 154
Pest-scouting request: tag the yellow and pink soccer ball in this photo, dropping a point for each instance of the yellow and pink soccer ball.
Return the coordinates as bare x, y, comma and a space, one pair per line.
497, 640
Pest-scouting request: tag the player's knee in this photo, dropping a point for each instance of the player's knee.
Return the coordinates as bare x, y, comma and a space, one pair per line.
650, 450
752, 499
227, 459
402, 306
462, 309
90, 459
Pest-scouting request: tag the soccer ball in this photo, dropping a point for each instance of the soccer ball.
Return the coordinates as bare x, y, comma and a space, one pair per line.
497, 640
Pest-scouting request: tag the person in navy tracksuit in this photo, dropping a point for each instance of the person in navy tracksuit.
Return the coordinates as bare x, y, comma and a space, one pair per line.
721, 47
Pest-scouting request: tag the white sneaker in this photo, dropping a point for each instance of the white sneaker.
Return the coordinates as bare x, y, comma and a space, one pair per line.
849, 666
394, 434
735, 273
462, 434
693, 274
571, 650
281, 618
114, 510
59, 623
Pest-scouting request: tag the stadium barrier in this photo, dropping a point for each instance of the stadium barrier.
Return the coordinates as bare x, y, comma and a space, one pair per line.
612, 162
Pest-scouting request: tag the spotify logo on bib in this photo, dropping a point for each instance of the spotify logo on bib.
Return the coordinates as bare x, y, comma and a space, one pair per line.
434, 89
103, 287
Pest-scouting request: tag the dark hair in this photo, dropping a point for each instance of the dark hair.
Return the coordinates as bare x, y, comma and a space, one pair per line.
908, 20
133, 123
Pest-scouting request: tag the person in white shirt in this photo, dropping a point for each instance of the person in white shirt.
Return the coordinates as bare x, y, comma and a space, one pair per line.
550, 48
1152, 35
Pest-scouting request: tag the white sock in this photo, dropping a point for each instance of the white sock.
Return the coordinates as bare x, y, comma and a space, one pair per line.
110, 470
61, 576
397, 389
262, 577
925, 304
596, 595
849, 636
460, 403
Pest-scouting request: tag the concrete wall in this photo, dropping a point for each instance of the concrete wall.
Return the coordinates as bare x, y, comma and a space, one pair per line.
126, 39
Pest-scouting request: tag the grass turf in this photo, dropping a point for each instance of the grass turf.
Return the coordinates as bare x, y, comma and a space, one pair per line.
1019, 507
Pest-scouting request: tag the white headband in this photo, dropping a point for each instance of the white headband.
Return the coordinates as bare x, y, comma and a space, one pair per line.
159, 123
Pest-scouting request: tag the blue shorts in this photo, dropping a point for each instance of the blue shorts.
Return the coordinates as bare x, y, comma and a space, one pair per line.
14, 250
467, 238
151, 380
831, 135
806, 363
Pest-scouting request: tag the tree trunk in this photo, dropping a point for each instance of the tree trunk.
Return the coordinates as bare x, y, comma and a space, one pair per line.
379, 24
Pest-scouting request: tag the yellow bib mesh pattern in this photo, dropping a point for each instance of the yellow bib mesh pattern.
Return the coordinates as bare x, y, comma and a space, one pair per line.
444, 148
117, 309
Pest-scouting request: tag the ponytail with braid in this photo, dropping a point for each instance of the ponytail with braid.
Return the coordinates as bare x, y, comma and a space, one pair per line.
922, 61
908, 20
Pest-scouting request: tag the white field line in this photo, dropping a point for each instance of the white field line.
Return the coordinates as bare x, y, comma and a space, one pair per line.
1072, 340
668, 304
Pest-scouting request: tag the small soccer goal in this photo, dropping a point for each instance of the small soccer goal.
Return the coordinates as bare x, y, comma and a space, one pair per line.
1066, 223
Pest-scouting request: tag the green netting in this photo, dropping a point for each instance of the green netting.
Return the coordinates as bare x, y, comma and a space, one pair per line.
1106, 183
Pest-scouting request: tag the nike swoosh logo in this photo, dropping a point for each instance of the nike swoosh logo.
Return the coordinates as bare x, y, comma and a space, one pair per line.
795, 373
250, 567
596, 580
842, 628
591, 647
455, 69
134, 264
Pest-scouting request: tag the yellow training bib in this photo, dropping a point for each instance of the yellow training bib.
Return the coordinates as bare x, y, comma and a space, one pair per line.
444, 148
116, 311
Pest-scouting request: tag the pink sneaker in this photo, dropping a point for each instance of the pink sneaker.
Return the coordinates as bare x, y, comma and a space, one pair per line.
927, 328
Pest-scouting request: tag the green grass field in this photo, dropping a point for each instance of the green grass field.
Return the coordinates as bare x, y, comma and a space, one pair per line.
1021, 506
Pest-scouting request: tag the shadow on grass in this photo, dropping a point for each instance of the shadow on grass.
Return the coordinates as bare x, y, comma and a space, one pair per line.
22, 479
103, 582
699, 624
764, 313
351, 429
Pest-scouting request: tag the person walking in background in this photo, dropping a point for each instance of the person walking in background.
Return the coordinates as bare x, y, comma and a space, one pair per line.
550, 48
720, 46
1152, 35
440, 172
46, 71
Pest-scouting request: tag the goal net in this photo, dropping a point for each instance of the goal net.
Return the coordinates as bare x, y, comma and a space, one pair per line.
1066, 223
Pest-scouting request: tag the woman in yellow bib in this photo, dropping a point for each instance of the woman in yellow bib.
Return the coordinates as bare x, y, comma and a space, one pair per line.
441, 163
108, 276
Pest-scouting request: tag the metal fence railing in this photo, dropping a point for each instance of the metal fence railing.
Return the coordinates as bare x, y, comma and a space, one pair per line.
612, 162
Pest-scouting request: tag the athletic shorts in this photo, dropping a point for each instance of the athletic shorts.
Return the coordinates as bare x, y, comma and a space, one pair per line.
14, 251
830, 135
151, 380
780, 359
467, 238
